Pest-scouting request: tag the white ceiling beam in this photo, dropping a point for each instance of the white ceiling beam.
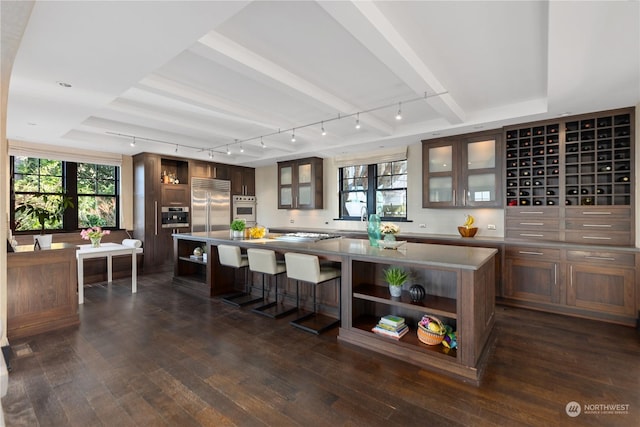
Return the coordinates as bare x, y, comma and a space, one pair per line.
382, 39
259, 64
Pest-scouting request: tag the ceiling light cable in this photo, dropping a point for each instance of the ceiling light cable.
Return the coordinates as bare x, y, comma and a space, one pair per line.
339, 116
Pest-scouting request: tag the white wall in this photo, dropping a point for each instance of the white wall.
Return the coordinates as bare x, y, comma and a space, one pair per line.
437, 221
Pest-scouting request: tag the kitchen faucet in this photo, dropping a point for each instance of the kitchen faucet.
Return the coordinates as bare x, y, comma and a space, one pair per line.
363, 215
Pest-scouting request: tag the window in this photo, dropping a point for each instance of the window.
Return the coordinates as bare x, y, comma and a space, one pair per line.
97, 195
91, 188
377, 188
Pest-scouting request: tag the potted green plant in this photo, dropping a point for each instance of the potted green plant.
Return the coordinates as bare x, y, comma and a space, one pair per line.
43, 210
396, 277
237, 228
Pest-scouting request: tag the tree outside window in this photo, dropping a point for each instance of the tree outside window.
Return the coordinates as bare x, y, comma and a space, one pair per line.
376, 188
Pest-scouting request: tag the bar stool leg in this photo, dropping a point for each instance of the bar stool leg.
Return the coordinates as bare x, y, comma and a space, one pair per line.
246, 298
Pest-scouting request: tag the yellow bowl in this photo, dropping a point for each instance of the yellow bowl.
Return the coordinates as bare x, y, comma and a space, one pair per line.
467, 232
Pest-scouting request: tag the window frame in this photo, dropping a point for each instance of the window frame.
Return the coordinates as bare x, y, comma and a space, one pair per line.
70, 220
372, 190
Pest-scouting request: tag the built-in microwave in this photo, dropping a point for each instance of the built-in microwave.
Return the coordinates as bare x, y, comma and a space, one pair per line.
175, 217
244, 207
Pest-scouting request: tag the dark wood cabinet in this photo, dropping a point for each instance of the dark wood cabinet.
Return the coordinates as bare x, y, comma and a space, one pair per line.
41, 290
300, 184
462, 171
153, 189
532, 274
602, 282
582, 169
202, 169
243, 181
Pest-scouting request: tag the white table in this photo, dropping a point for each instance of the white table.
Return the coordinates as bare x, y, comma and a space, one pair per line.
106, 250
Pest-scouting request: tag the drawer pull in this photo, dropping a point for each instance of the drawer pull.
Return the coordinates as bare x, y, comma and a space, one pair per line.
532, 213
595, 213
596, 238
531, 235
532, 223
601, 258
598, 225
530, 253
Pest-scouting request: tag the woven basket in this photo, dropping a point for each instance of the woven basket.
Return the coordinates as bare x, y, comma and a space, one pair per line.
429, 337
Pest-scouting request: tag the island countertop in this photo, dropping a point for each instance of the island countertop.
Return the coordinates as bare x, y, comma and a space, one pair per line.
446, 256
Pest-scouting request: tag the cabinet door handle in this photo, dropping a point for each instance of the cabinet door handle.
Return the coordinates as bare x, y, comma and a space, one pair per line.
555, 274
532, 223
532, 213
531, 235
595, 213
530, 253
596, 238
598, 225
600, 258
155, 203
454, 197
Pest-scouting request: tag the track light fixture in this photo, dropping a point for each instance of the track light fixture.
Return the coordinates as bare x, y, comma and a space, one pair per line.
339, 116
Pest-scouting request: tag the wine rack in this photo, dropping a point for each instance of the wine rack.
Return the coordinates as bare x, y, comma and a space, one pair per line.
598, 160
533, 165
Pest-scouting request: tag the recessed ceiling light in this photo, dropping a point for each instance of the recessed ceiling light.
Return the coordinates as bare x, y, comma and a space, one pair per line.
63, 84
31, 124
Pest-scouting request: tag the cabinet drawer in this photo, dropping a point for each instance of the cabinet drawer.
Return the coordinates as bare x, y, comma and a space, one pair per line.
598, 237
533, 253
588, 225
529, 223
553, 235
532, 212
608, 258
619, 212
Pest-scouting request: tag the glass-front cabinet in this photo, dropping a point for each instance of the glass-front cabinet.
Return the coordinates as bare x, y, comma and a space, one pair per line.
300, 184
462, 171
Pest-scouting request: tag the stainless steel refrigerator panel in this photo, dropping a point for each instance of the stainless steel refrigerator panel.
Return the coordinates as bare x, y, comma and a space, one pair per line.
210, 204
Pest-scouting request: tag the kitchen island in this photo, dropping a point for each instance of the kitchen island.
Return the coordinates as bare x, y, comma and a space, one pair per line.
459, 283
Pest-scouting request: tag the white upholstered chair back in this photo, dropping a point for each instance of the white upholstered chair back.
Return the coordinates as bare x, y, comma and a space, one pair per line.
231, 256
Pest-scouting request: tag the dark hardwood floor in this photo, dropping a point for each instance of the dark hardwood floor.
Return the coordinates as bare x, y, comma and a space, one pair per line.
165, 358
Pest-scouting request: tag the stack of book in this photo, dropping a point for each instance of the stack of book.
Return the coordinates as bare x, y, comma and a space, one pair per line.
391, 326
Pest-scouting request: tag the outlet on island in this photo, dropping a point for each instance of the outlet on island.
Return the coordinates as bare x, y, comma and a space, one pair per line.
423, 226
491, 226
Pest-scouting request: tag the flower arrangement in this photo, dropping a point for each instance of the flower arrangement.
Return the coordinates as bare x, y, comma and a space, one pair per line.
388, 228
94, 233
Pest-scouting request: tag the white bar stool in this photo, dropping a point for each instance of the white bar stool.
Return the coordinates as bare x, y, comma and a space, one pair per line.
230, 256
307, 268
264, 261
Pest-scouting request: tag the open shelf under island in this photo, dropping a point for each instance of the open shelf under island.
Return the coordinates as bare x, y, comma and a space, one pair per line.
459, 282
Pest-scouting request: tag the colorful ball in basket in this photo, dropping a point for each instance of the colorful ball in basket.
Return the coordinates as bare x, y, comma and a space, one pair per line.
431, 331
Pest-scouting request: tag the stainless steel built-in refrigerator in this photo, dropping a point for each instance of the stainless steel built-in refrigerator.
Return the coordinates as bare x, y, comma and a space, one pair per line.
210, 204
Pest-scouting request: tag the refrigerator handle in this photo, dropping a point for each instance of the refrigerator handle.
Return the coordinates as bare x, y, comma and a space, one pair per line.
155, 203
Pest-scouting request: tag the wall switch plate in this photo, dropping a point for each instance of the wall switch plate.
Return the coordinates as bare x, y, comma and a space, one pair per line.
423, 226
491, 226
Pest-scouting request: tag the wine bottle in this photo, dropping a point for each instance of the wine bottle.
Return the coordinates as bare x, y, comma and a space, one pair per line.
524, 193
567, 202
551, 202
526, 183
600, 191
572, 191
524, 202
584, 191
537, 202
524, 173
540, 172
606, 168
538, 183
623, 179
550, 192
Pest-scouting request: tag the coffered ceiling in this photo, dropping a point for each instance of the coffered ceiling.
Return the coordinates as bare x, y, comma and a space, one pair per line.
206, 76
